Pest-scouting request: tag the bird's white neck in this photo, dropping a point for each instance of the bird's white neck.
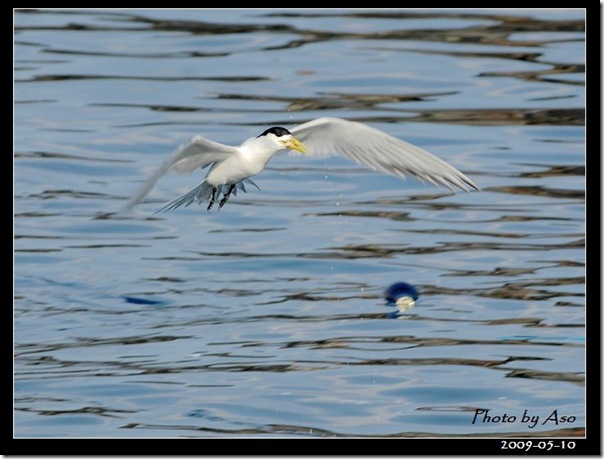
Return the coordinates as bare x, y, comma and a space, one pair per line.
260, 149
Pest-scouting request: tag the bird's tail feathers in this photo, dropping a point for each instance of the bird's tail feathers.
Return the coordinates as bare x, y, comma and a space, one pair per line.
200, 193
240, 184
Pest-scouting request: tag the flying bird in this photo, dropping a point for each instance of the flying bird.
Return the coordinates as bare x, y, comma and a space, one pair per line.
231, 167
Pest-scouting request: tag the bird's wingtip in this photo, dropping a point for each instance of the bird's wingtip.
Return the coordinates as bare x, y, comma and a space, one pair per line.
473, 186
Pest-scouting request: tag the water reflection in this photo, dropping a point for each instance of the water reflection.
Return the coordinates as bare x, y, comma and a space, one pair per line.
356, 343
269, 319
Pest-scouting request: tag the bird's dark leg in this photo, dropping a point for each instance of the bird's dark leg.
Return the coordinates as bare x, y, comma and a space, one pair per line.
226, 197
212, 199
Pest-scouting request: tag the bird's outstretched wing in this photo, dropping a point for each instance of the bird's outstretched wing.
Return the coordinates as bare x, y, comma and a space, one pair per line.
378, 151
198, 152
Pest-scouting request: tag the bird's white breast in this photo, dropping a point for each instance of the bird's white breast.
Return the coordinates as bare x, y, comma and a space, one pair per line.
250, 159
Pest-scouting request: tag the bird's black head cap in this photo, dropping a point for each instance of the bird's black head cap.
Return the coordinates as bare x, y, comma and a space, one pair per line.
277, 130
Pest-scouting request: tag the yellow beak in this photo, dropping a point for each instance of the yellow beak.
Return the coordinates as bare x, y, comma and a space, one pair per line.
295, 144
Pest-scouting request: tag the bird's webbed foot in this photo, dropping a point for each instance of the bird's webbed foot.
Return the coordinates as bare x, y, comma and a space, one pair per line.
226, 197
212, 198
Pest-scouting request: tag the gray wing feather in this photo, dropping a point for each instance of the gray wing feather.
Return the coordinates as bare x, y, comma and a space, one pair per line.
198, 152
378, 151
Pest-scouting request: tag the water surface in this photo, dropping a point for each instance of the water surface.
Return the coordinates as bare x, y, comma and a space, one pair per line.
268, 318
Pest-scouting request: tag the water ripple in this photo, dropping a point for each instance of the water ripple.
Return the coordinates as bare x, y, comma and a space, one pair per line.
268, 318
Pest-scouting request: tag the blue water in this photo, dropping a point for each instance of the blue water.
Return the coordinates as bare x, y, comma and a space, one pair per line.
268, 318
